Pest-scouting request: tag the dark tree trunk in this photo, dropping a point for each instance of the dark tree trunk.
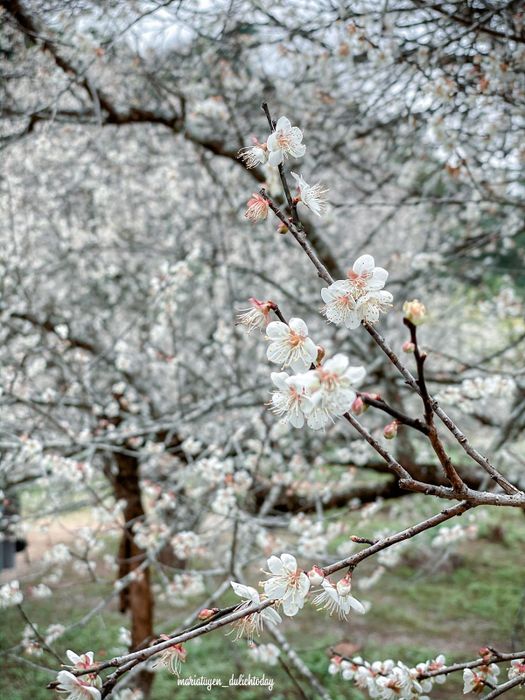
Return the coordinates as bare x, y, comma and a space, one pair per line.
137, 597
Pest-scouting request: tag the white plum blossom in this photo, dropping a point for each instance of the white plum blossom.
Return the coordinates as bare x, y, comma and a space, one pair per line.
290, 398
290, 345
265, 653
331, 388
288, 583
255, 155
254, 623
285, 141
257, 316
10, 594
312, 196
41, 591
475, 680
337, 599
171, 658
78, 687
517, 668
360, 297
80, 661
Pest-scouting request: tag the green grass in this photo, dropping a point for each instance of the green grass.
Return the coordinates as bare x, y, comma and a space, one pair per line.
416, 612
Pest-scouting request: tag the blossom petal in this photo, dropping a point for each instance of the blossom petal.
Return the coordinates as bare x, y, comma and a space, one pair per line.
283, 124
275, 566
289, 562
298, 325
365, 263
277, 330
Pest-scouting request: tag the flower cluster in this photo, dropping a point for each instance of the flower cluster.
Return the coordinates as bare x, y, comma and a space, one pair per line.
265, 653
10, 594
387, 680
319, 395
475, 680
517, 668
285, 141
360, 297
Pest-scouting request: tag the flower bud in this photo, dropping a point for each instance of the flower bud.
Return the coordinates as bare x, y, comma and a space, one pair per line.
282, 228
414, 311
408, 346
205, 613
321, 352
316, 575
359, 406
390, 430
344, 586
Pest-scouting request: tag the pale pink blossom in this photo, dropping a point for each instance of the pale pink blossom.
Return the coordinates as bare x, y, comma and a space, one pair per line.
290, 345
257, 316
254, 623
285, 141
290, 398
257, 208
77, 687
288, 583
312, 196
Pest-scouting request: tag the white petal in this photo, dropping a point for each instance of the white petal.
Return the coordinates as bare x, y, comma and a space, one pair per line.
298, 325
296, 419
275, 588
365, 263
289, 563
283, 124
275, 158
272, 142
290, 607
356, 605
74, 658
277, 330
275, 565
378, 279
246, 592
352, 320
338, 363
355, 374
276, 353
280, 380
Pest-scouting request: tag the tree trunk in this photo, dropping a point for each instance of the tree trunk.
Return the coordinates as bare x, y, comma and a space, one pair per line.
137, 597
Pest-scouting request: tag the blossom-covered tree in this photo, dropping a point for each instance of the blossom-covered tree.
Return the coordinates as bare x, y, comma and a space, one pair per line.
132, 138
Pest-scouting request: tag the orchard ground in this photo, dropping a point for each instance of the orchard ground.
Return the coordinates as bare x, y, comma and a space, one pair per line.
480, 582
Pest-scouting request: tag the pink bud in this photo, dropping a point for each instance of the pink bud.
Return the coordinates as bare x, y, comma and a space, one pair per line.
344, 586
390, 430
358, 406
408, 346
316, 575
205, 613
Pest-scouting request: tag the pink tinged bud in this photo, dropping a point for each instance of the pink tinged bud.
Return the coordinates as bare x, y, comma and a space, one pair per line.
408, 346
414, 311
359, 406
316, 575
390, 430
344, 586
257, 209
205, 613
